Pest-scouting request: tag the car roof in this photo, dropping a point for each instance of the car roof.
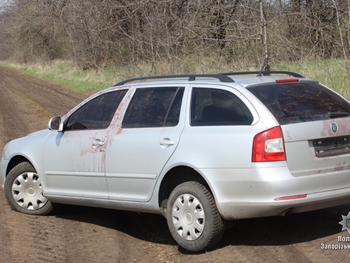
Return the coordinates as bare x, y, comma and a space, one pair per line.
243, 78
269, 79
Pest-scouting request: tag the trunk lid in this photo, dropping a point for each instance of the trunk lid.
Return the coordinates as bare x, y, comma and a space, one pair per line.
317, 147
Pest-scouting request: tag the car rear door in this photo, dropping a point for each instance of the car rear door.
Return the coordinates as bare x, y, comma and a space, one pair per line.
148, 136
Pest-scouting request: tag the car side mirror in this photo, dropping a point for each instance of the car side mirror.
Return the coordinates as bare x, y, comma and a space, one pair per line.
56, 124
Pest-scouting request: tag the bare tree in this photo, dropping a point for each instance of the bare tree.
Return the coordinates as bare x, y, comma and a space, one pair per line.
341, 40
96, 34
265, 54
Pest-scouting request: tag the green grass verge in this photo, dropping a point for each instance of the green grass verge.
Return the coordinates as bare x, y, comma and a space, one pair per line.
331, 73
65, 74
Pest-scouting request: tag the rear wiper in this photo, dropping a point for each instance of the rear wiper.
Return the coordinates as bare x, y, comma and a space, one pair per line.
337, 114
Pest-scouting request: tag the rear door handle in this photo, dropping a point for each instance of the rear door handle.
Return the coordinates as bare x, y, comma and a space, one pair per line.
97, 143
166, 142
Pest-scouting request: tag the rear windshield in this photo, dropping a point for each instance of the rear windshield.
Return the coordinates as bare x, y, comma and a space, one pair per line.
300, 102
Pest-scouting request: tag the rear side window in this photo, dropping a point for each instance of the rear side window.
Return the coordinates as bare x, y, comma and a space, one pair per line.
96, 113
300, 102
154, 107
213, 107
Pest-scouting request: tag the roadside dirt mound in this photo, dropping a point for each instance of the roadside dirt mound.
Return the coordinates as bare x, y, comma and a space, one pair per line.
81, 234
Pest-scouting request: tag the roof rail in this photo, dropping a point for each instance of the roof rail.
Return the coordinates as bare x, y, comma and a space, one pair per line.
265, 73
191, 77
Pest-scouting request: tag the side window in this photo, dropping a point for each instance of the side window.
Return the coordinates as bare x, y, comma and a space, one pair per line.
154, 107
96, 113
218, 107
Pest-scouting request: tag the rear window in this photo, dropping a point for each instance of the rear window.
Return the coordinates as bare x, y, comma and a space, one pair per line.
300, 102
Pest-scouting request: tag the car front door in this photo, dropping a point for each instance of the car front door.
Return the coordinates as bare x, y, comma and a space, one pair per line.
74, 160
149, 134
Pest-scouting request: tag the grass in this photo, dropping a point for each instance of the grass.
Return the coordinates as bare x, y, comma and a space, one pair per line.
66, 74
332, 72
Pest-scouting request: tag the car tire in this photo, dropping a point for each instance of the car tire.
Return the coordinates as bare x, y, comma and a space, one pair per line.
23, 191
193, 218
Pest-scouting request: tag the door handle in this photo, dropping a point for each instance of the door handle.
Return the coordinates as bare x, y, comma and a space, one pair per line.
97, 143
166, 142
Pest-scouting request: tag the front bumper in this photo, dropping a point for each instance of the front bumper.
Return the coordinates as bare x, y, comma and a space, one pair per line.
3, 168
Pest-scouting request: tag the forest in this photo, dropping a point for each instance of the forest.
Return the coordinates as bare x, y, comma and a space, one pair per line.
244, 34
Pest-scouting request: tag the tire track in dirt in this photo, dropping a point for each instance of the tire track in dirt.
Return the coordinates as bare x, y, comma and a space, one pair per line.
28, 238
12, 124
26, 106
54, 99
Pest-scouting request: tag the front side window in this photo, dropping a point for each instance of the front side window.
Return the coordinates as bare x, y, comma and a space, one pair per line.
213, 107
96, 113
154, 107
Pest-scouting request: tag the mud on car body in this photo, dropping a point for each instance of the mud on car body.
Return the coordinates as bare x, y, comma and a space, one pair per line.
201, 150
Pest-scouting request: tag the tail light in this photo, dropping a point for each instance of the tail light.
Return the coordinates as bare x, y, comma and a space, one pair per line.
268, 146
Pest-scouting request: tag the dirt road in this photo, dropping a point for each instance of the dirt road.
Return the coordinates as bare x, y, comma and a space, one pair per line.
80, 234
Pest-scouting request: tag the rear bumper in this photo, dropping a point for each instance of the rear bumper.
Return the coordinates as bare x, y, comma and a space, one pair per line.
250, 193
234, 210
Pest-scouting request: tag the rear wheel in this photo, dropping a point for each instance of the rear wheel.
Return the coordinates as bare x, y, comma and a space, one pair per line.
193, 218
23, 191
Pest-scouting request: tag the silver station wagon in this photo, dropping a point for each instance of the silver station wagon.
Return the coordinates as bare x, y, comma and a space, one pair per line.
200, 149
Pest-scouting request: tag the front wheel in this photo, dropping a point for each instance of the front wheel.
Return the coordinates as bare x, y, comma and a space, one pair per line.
23, 191
193, 218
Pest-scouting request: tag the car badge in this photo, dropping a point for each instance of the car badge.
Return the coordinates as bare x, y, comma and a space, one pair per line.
334, 127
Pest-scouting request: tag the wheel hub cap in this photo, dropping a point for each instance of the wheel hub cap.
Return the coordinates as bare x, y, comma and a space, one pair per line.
188, 217
30, 191
27, 191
